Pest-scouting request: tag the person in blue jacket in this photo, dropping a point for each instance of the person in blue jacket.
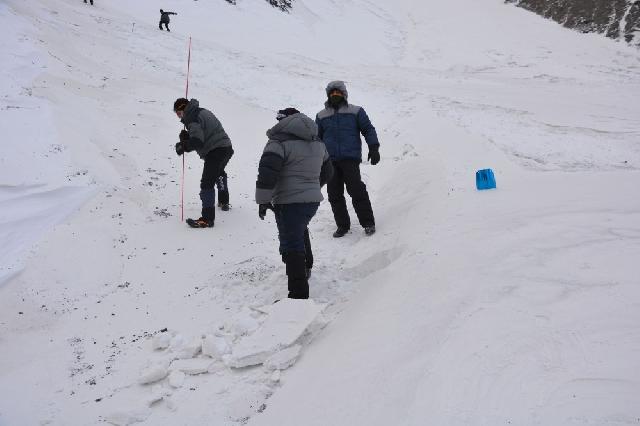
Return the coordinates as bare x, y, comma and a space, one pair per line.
339, 126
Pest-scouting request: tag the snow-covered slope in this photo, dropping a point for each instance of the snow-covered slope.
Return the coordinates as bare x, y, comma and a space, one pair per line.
518, 305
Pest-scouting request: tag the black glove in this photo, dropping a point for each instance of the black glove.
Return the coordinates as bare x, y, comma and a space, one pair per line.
262, 209
179, 148
374, 155
184, 136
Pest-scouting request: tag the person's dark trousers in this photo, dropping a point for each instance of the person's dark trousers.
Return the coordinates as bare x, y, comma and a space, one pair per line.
307, 250
347, 173
223, 189
292, 221
297, 281
165, 25
214, 163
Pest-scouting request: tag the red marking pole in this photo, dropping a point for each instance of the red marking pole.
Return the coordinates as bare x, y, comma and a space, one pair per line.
186, 95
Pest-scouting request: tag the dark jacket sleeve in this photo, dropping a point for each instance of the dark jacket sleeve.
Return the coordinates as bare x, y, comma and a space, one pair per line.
326, 172
367, 129
320, 129
269, 168
196, 137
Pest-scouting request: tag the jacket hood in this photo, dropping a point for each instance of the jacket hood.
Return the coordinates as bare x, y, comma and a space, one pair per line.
337, 84
297, 125
190, 111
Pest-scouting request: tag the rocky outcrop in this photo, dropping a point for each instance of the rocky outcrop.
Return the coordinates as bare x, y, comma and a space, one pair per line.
283, 5
618, 19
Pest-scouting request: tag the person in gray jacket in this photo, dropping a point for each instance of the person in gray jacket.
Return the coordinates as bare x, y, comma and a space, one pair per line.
205, 135
293, 167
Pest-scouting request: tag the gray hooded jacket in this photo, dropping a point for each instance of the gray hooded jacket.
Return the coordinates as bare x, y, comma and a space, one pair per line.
294, 163
205, 130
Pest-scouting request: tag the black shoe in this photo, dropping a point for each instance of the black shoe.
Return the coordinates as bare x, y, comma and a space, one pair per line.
200, 223
340, 232
224, 207
370, 230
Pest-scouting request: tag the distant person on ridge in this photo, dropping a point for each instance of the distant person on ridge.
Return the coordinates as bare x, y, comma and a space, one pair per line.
164, 18
207, 137
293, 167
339, 126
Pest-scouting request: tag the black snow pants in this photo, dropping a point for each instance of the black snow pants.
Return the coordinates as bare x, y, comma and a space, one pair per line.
347, 173
213, 175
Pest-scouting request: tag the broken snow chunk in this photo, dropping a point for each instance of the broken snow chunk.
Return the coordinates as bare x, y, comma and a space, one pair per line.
161, 341
176, 378
153, 373
177, 342
216, 367
275, 376
124, 418
158, 393
227, 360
215, 346
192, 366
244, 322
188, 350
283, 359
286, 322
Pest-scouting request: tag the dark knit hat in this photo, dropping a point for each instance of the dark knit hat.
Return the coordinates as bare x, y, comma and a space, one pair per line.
284, 113
180, 104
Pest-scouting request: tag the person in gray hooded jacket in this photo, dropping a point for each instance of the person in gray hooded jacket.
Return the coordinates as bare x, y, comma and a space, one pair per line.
294, 166
205, 135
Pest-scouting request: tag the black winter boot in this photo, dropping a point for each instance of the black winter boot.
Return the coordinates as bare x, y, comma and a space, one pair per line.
200, 223
206, 221
297, 276
340, 232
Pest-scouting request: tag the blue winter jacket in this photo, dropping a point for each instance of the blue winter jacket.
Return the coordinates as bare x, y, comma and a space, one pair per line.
340, 130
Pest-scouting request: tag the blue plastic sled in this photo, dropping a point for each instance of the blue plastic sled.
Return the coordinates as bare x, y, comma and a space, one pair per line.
485, 179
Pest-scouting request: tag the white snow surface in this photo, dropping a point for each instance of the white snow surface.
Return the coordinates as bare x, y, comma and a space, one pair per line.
519, 305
